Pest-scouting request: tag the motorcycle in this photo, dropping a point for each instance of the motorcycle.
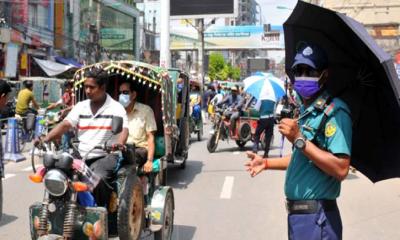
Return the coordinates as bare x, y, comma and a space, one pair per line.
245, 129
137, 200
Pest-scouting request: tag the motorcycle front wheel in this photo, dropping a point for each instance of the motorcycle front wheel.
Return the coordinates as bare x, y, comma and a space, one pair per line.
168, 222
131, 209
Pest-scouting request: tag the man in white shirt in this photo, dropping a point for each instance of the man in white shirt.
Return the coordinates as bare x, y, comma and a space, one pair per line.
92, 118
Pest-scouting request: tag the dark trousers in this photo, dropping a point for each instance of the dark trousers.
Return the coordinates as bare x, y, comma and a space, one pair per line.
265, 125
105, 168
323, 225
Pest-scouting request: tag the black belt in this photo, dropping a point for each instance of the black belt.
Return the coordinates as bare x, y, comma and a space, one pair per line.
309, 206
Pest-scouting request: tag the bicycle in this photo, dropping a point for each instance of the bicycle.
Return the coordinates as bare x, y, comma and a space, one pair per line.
25, 135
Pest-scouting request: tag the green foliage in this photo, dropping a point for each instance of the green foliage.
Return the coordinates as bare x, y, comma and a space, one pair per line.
219, 70
215, 66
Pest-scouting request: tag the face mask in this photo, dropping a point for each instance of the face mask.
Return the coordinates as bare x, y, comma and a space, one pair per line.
124, 99
307, 86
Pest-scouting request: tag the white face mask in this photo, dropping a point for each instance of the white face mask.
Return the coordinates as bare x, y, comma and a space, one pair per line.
124, 99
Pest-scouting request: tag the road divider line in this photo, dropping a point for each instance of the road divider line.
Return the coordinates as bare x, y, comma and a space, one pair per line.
8, 175
226, 192
236, 153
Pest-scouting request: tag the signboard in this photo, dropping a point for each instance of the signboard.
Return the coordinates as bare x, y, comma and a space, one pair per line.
117, 38
11, 60
228, 37
181, 9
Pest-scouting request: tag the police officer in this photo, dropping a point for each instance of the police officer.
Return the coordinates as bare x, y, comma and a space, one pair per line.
320, 160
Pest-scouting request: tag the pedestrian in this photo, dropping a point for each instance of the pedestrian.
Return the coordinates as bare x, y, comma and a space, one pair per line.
5, 89
264, 125
207, 96
320, 160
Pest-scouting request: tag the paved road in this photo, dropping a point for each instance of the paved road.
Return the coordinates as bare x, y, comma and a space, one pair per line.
216, 199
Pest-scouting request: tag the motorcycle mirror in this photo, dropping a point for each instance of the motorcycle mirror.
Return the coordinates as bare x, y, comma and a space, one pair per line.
116, 125
30, 121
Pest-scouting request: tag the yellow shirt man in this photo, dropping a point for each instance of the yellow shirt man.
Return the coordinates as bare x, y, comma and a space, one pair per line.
140, 121
25, 96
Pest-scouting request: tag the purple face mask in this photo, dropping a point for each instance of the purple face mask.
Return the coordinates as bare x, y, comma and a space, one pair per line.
306, 86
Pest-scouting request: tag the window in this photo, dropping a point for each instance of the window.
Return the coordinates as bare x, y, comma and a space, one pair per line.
33, 18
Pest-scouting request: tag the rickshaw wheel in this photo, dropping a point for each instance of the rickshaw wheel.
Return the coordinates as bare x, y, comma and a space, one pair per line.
240, 143
168, 222
131, 209
199, 136
183, 164
212, 144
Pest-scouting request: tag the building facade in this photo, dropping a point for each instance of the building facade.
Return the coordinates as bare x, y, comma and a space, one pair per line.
380, 17
86, 31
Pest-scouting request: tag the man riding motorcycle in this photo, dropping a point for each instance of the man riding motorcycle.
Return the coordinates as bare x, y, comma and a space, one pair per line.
92, 118
235, 102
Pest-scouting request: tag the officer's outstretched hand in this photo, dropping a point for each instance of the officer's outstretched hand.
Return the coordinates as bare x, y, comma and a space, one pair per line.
289, 128
255, 165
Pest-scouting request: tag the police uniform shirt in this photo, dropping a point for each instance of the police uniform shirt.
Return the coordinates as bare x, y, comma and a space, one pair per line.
304, 180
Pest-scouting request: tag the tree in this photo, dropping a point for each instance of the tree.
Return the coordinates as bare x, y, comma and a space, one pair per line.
215, 66
219, 70
235, 73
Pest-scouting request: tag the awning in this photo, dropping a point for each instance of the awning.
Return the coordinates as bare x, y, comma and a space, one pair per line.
69, 61
52, 68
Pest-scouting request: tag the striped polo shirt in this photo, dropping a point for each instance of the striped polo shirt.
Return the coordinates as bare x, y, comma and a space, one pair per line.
94, 130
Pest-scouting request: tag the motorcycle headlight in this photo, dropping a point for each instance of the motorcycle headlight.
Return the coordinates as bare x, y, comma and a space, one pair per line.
55, 182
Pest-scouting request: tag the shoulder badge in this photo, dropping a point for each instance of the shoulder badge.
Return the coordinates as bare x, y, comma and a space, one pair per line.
330, 129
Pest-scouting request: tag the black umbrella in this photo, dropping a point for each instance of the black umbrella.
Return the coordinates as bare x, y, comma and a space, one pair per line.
360, 73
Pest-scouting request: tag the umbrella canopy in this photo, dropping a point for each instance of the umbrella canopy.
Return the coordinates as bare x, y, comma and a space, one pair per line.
360, 73
264, 86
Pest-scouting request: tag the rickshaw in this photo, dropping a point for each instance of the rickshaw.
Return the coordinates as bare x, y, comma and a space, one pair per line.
140, 202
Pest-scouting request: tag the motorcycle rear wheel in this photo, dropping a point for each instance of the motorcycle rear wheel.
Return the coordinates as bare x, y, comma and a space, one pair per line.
168, 223
131, 209
212, 143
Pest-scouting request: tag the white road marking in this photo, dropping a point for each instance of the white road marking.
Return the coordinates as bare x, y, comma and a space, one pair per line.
226, 192
236, 153
8, 175
29, 169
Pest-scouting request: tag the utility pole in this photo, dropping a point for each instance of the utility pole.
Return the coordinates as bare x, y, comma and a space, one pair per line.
165, 55
98, 26
200, 30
